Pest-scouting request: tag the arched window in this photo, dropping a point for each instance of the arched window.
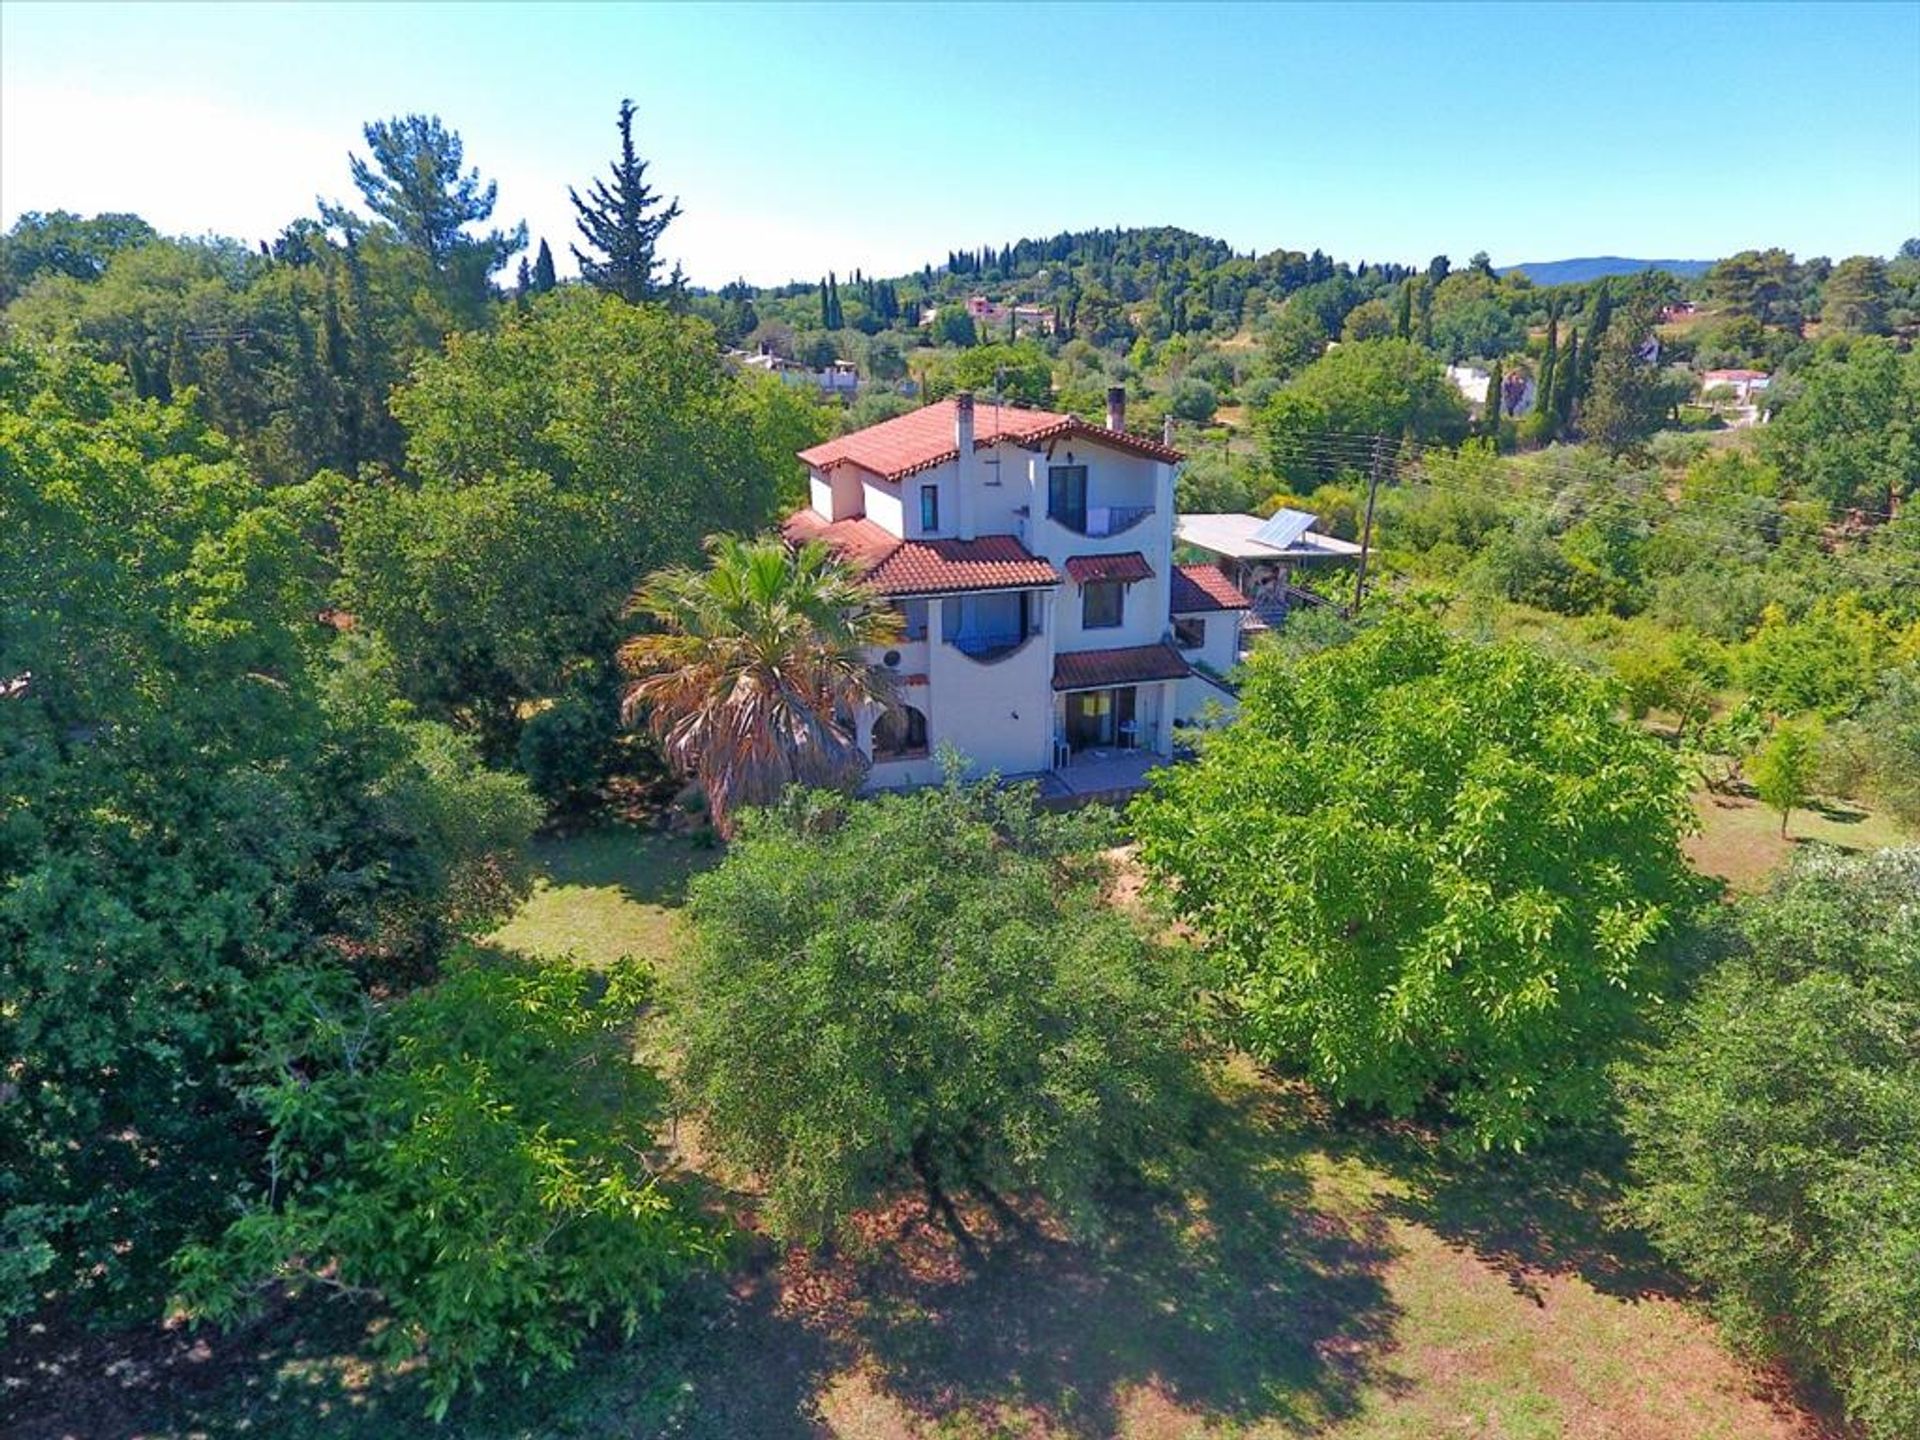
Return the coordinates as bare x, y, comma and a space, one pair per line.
899, 734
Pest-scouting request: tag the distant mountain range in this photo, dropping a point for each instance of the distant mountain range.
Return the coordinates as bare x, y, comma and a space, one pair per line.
1592, 267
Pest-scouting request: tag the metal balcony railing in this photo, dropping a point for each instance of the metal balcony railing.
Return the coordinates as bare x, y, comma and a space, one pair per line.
1098, 521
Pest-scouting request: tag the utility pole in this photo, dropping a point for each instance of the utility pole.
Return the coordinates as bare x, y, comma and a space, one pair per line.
1366, 530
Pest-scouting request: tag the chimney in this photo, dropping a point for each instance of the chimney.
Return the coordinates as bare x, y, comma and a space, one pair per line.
1166, 431
963, 467
1116, 407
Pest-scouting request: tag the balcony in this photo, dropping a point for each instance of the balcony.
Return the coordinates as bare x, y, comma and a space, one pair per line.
1099, 521
986, 648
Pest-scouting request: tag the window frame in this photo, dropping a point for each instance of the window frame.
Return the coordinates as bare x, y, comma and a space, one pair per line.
929, 509
1087, 591
1196, 625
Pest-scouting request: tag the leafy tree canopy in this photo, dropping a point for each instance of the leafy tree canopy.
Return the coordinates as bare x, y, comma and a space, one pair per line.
1322, 423
928, 984
1777, 1135
1432, 870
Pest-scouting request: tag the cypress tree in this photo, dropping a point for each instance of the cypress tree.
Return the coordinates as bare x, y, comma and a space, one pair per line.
523, 282
622, 222
1494, 403
826, 306
1404, 329
1426, 315
543, 276
1596, 332
1566, 385
1543, 400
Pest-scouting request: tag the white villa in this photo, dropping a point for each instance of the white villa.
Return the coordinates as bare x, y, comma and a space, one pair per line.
1048, 631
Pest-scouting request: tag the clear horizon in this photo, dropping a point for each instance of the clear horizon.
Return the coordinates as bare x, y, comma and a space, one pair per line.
801, 139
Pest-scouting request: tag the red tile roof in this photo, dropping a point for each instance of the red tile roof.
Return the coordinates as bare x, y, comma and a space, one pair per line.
1092, 569
924, 438
925, 567
1133, 665
1203, 587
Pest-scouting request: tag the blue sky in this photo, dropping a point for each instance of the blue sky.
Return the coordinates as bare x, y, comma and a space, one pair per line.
803, 138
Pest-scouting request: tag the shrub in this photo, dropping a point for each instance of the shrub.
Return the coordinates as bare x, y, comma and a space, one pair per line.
1431, 870
477, 1157
1777, 1135
927, 984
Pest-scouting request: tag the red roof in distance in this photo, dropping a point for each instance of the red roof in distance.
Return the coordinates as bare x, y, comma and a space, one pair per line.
1203, 587
924, 438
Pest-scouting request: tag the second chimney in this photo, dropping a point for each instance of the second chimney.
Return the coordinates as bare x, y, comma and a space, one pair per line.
1116, 407
963, 467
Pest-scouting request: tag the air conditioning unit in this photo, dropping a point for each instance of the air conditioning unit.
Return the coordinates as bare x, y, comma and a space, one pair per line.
891, 659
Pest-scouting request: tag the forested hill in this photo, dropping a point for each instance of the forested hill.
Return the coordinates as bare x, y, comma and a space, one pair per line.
1597, 267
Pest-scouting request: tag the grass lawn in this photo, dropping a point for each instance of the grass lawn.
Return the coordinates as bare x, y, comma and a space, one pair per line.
1739, 839
1314, 1278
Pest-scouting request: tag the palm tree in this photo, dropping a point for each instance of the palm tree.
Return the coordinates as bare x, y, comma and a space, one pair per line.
757, 668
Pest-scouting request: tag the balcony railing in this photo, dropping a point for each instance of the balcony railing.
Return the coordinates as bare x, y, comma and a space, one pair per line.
1099, 521
989, 646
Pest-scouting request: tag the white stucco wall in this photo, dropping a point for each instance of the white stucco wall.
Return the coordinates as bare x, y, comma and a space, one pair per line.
883, 505
820, 493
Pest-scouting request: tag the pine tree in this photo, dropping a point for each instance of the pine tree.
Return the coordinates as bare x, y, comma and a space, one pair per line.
622, 223
543, 276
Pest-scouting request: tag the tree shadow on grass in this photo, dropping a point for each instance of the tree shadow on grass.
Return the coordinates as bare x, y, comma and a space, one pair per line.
645, 866
1555, 1209
1234, 1298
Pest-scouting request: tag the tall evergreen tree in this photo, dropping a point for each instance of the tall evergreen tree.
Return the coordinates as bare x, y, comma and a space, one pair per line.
1494, 405
416, 185
622, 222
826, 306
1404, 329
1566, 385
523, 282
1543, 401
543, 277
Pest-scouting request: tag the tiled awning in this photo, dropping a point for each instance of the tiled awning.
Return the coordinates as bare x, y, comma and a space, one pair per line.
1132, 665
1095, 569
1199, 588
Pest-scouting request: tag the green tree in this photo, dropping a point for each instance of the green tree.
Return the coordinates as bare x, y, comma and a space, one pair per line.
1430, 869
1777, 1133
1369, 320
622, 219
554, 463
1627, 400
952, 325
1783, 771
1020, 371
928, 985
1322, 423
1856, 297
758, 669
206, 812
543, 276
1295, 340
1851, 435
62, 243
480, 1156
1549, 366
416, 185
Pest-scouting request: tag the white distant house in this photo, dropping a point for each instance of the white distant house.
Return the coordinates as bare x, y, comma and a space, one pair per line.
841, 377
1048, 632
1516, 388
1745, 384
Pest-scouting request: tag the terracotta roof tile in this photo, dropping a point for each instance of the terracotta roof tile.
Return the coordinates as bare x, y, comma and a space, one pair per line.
925, 567
924, 438
1203, 587
1092, 569
1132, 665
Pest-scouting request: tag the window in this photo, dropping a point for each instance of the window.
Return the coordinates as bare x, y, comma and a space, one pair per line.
1067, 495
929, 508
900, 733
914, 613
1102, 605
1190, 634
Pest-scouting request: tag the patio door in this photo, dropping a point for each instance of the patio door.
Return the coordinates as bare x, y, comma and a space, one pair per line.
1098, 719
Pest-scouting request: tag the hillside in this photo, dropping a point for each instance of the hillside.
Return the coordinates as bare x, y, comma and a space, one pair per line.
1595, 267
